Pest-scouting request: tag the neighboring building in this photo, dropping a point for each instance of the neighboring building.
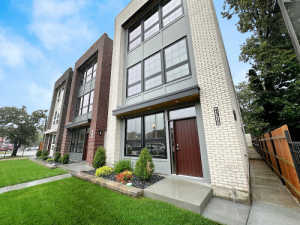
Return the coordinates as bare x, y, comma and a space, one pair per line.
172, 92
57, 113
86, 117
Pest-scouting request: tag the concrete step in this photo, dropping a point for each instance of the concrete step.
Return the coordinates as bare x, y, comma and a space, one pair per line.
182, 193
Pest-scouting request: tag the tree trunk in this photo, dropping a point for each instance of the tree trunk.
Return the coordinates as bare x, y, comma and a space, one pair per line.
15, 150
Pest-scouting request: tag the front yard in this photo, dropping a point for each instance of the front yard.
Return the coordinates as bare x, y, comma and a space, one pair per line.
20, 171
73, 201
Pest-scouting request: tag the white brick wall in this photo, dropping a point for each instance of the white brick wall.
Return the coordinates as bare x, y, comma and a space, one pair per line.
225, 144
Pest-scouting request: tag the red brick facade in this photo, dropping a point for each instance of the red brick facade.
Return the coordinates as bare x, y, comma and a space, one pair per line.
103, 48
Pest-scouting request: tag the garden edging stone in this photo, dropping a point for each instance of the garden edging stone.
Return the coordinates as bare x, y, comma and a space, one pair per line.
113, 185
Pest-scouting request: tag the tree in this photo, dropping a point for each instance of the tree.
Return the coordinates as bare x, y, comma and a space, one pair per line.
275, 73
20, 127
250, 110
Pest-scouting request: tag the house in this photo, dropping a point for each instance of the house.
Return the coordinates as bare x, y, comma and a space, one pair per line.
86, 116
57, 114
171, 91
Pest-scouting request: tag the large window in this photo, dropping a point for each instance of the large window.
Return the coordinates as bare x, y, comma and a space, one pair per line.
176, 65
135, 37
153, 71
89, 74
134, 80
146, 131
85, 103
164, 14
171, 11
78, 140
176, 61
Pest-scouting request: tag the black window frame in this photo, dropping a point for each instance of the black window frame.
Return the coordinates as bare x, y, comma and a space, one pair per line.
143, 138
136, 83
81, 102
164, 70
158, 8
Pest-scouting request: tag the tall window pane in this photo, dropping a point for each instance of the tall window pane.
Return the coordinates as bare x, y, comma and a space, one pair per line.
134, 80
173, 16
155, 135
135, 37
133, 137
151, 31
171, 6
176, 61
152, 71
176, 53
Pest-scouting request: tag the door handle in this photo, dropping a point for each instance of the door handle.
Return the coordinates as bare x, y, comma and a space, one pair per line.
177, 147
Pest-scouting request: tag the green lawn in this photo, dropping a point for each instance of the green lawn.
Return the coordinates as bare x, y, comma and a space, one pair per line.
20, 171
72, 201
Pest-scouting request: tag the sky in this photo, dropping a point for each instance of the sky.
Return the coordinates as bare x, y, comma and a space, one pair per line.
41, 39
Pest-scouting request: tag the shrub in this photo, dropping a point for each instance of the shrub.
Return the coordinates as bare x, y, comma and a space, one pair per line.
44, 155
144, 166
38, 154
65, 159
123, 165
57, 156
124, 177
50, 160
100, 158
104, 171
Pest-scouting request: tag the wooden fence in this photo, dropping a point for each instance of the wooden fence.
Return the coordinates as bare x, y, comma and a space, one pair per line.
283, 156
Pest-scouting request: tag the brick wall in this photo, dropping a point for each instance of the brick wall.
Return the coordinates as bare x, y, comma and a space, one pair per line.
225, 144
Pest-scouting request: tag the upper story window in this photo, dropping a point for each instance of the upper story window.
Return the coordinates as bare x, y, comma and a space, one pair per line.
161, 16
153, 71
135, 37
85, 103
89, 74
169, 64
134, 80
171, 11
176, 61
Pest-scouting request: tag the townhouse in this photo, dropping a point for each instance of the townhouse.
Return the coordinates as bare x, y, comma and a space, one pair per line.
171, 91
56, 120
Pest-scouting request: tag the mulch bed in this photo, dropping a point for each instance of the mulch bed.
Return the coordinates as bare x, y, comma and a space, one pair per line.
136, 182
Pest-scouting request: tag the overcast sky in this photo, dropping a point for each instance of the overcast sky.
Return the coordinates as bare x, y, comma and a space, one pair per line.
40, 39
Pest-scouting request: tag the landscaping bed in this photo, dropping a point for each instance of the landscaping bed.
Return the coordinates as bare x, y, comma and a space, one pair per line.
136, 181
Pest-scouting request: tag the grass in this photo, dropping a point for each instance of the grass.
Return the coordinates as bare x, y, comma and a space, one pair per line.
20, 171
73, 201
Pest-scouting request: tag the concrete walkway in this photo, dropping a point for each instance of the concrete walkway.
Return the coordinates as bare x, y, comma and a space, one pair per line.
272, 202
77, 167
33, 183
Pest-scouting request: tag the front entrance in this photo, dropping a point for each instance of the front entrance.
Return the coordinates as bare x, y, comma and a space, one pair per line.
187, 149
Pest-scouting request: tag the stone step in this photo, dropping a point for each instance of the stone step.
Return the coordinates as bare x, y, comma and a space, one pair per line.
182, 193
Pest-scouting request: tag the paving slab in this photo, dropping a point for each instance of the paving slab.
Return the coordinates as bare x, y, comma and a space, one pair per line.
77, 167
33, 183
227, 212
180, 192
271, 214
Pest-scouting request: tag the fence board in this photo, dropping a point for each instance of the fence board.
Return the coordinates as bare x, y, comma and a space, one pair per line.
275, 148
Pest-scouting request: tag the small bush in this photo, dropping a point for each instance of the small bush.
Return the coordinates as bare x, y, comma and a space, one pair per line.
65, 159
123, 165
44, 155
104, 171
100, 158
50, 160
124, 177
57, 156
38, 154
144, 166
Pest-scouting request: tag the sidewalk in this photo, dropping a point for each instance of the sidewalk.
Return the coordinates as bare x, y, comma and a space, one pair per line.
272, 203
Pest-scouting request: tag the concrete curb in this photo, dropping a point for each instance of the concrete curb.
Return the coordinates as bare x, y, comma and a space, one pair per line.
115, 186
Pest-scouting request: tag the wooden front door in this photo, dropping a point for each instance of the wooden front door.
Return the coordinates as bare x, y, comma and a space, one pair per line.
187, 150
